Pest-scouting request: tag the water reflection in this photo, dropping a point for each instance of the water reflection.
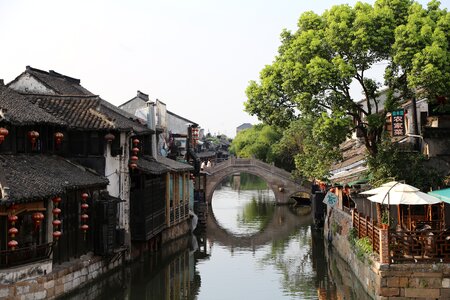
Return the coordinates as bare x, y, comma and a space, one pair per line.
284, 259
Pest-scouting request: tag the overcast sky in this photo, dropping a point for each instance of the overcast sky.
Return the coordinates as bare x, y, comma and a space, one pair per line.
197, 56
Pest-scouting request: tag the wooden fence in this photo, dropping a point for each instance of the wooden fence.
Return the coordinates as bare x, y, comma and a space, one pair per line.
419, 245
364, 227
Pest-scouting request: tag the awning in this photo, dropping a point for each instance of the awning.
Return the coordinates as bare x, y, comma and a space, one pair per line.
443, 194
359, 181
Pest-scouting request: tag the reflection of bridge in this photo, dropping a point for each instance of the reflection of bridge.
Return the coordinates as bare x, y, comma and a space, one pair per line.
284, 221
279, 181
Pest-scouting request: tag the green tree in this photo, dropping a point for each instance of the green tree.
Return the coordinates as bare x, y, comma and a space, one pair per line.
421, 57
310, 77
256, 142
316, 65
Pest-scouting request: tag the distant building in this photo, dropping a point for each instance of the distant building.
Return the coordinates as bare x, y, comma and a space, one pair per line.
243, 126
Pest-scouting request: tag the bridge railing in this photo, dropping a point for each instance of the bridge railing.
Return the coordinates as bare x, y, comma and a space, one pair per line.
233, 161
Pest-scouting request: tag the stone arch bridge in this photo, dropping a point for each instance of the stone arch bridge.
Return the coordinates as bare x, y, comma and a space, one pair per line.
279, 181
284, 220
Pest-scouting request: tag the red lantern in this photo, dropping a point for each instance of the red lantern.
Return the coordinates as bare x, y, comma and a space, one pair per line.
133, 166
109, 137
13, 219
37, 218
33, 136
84, 206
84, 196
136, 142
135, 150
56, 223
194, 134
59, 136
3, 133
13, 244
84, 227
347, 190
13, 231
56, 211
56, 200
134, 158
322, 186
56, 234
84, 217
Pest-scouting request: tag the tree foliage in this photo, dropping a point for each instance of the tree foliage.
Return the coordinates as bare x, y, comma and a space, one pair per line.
256, 142
421, 57
308, 83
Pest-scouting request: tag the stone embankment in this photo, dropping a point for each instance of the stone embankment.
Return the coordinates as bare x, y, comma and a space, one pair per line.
387, 281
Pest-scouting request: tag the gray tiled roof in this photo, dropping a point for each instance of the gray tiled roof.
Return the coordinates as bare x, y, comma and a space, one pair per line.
149, 165
87, 112
61, 84
206, 154
16, 109
174, 165
34, 177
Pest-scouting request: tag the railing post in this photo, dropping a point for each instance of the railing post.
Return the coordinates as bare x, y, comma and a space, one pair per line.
384, 246
353, 217
367, 225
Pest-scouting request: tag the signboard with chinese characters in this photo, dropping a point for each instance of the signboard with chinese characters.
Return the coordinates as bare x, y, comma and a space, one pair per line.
398, 122
330, 199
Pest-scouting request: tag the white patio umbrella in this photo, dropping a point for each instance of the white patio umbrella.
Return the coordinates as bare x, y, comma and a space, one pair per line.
396, 193
391, 186
396, 197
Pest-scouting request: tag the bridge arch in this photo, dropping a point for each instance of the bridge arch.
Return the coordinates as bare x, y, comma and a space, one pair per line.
273, 230
278, 180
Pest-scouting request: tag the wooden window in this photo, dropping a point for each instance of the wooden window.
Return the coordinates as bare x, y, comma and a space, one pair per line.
147, 145
171, 189
115, 145
95, 145
77, 142
181, 187
21, 141
6, 145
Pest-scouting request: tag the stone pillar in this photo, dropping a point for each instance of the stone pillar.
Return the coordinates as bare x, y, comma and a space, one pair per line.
384, 246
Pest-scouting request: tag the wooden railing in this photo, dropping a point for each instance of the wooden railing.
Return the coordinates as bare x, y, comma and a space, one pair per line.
179, 213
20, 256
364, 227
405, 246
420, 246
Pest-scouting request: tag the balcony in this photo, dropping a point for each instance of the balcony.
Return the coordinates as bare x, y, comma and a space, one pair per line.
21, 256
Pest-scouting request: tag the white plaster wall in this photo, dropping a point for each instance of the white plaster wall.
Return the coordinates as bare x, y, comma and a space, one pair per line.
133, 105
177, 125
27, 83
116, 169
421, 106
112, 172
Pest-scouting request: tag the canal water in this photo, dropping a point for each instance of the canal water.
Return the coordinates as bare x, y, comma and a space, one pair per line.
250, 249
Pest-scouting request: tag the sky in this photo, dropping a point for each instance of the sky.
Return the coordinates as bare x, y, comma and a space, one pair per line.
196, 56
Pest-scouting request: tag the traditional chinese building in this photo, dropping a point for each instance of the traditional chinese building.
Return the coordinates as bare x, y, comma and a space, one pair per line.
46, 200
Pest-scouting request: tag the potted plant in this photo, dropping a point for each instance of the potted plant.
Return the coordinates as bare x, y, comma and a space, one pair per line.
385, 219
